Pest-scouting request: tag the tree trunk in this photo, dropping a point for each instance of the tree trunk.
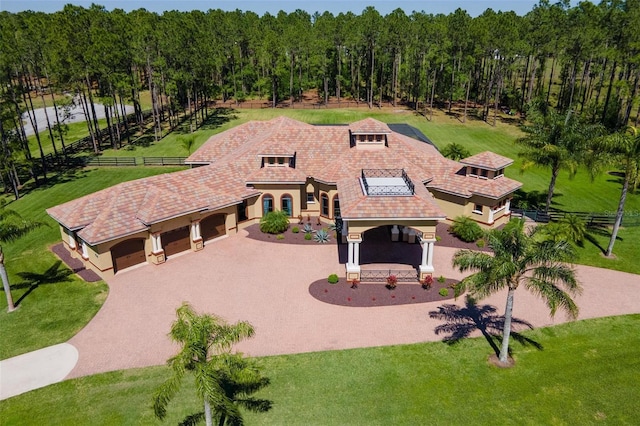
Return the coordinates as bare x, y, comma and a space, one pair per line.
553, 66
555, 169
5, 284
207, 413
620, 212
608, 97
506, 330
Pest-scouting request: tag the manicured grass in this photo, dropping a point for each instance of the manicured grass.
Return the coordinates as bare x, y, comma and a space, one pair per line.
52, 312
625, 250
586, 373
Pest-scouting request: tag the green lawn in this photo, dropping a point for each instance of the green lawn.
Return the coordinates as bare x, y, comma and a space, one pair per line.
587, 373
52, 312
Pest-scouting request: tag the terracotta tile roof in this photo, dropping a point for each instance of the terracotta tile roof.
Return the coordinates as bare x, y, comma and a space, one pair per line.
488, 160
354, 204
322, 152
369, 126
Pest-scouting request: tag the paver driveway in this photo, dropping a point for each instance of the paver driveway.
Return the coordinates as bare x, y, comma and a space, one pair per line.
267, 284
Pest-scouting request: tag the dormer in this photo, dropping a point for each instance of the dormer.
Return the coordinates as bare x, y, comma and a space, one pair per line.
369, 134
278, 160
486, 165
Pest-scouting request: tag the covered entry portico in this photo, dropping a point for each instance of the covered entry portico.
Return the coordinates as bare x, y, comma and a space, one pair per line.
420, 232
388, 198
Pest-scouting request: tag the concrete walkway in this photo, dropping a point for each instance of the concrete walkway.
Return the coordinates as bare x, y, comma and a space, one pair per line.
36, 369
266, 284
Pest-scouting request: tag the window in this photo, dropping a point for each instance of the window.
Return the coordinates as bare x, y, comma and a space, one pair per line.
477, 208
271, 161
324, 205
336, 207
310, 198
267, 204
500, 173
242, 211
370, 138
286, 203
474, 171
280, 161
483, 172
378, 138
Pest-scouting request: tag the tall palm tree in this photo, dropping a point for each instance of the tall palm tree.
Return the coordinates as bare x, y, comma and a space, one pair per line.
556, 141
619, 149
12, 227
520, 258
206, 342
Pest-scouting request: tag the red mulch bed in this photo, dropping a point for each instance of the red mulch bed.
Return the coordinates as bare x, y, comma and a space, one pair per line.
74, 264
369, 294
289, 236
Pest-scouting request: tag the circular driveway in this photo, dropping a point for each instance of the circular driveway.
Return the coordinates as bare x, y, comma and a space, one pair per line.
267, 284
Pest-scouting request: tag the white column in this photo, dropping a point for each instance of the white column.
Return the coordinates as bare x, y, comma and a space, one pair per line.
490, 215
395, 233
426, 264
195, 231
85, 251
356, 254
425, 251
507, 206
350, 255
430, 246
156, 244
72, 240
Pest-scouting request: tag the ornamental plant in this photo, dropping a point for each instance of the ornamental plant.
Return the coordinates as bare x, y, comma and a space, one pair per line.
333, 278
274, 222
466, 229
392, 281
428, 282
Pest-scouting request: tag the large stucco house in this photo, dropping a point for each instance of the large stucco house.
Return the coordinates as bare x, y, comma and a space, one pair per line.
364, 173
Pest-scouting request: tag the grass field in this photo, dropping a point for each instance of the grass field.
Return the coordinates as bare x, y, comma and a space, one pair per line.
54, 310
586, 373
31, 253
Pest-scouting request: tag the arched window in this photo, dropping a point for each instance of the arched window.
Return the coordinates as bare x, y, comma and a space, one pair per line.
286, 204
336, 206
267, 204
324, 205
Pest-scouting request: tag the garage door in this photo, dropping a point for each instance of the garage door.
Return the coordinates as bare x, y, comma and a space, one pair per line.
127, 253
176, 241
212, 227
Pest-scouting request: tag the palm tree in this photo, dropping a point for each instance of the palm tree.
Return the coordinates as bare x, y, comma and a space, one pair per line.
622, 148
12, 227
520, 258
206, 342
556, 141
455, 151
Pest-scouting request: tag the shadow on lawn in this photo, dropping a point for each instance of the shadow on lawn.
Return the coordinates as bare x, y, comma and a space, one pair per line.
32, 280
462, 321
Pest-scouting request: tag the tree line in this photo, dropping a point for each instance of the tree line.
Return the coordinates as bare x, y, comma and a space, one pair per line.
583, 58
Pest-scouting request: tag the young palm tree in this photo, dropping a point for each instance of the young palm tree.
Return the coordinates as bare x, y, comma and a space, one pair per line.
206, 342
519, 258
555, 141
622, 148
455, 151
12, 227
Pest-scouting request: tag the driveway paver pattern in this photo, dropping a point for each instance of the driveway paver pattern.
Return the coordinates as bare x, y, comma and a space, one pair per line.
267, 284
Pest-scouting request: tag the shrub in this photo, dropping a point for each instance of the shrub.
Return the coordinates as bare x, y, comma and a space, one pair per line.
295, 229
274, 222
444, 292
307, 237
392, 281
333, 278
321, 237
480, 243
280, 237
428, 282
466, 229
307, 229
441, 279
